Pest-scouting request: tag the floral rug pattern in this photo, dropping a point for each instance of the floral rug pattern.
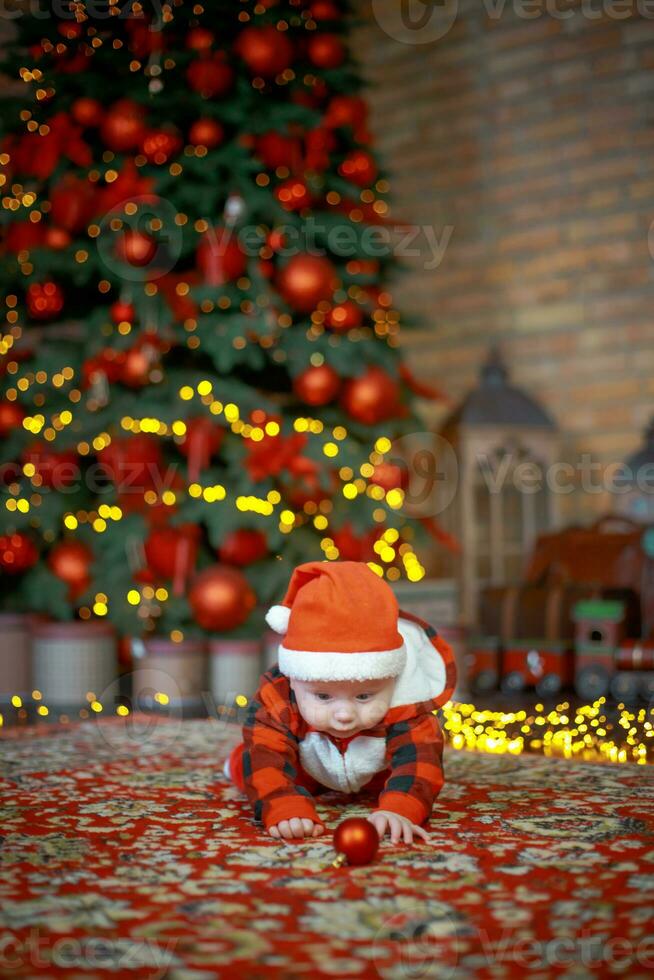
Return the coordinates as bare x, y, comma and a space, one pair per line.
125, 852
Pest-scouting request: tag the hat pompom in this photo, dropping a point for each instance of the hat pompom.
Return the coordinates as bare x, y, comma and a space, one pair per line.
277, 618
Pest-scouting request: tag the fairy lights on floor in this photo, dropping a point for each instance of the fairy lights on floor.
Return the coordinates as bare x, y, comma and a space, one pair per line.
593, 733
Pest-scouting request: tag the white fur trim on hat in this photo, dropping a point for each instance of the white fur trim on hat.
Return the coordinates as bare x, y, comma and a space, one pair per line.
309, 665
277, 618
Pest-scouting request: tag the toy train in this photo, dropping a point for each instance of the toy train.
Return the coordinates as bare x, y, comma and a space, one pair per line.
598, 652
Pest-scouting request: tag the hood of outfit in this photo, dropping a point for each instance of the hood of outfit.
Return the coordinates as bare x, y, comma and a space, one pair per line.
341, 622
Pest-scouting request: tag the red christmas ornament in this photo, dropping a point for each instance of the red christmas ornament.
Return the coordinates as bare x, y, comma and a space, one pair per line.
23, 236
136, 367
171, 552
132, 463
221, 598
45, 300
371, 398
317, 385
159, 145
326, 51
71, 203
123, 126
11, 417
276, 240
144, 39
352, 547
87, 112
344, 317
219, 257
57, 238
359, 167
319, 144
324, 10
277, 150
346, 110
70, 561
70, 29
17, 553
356, 840
121, 311
266, 51
306, 280
203, 440
108, 362
206, 132
210, 76
199, 39
293, 194
388, 476
136, 248
55, 469
243, 547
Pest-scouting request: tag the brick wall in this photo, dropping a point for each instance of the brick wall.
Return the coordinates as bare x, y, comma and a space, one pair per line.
533, 140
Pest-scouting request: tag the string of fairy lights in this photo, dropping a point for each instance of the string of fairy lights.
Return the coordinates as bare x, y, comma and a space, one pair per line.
593, 732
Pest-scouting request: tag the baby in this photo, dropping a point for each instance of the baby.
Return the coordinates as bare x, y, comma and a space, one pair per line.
348, 707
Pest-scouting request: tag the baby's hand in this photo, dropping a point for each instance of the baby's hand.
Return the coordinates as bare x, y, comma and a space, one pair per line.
398, 826
296, 827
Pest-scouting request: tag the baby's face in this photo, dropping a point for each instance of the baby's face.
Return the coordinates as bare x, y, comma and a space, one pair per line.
342, 708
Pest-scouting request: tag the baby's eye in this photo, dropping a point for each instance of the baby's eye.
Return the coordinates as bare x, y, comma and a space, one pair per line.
363, 697
322, 697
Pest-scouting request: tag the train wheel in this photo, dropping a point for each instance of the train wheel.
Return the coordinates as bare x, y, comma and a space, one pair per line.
592, 682
513, 682
624, 687
548, 686
484, 681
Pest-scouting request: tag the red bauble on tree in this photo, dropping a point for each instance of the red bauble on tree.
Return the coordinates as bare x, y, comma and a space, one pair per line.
136, 366
206, 132
71, 203
278, 150
45, 300
317, 385
243, 547
221, 598
123, 127
306, 280
293, 194
23, 235
346, 110
136, 248
360, 168
210, 76
132, 463
171, 552
324, 10
70, 561
326, 51
371, 398
203, 439
353, 547
265, 50
17, 553
11, 417
159, 145
87, 112
356, 840
200, 39
55, 469
57, 238
388, 476
219, 257
122, 311
319, 144
344, 316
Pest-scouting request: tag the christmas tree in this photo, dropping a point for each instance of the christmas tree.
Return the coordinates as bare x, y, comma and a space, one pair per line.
200, 373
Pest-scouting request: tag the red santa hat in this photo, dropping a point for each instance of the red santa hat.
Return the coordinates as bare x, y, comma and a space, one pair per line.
340, 622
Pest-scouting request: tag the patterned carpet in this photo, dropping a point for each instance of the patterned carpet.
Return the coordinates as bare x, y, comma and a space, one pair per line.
126, 853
